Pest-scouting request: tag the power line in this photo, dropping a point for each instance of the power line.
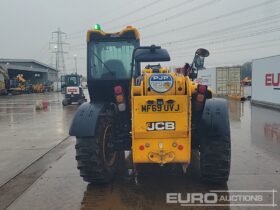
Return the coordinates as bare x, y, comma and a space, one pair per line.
154, 14
189, 49
248, 25
222, 30
216, 40
139, 9
252, 34
131, 12
244, 49
104, 15
234, 50
211, 19
251, 24
187, 26
42, 51
229, 38
188, 11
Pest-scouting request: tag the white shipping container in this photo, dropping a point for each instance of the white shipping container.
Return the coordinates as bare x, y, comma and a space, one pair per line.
57, 86
222, 80
266, 80
228, 81
207, 77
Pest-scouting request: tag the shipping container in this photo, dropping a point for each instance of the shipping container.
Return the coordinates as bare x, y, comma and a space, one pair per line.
207, 77
57, 86
266, 81
224, 81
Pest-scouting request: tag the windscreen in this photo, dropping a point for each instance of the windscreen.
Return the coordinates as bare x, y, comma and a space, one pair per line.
73, 80
110, 60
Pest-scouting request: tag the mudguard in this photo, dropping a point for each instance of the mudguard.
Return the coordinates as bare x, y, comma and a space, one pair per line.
215, 118
85, 119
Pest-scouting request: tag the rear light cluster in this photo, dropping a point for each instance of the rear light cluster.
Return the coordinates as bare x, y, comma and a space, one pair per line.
180, 147
141, 147
202, 89
200, 97
120, 99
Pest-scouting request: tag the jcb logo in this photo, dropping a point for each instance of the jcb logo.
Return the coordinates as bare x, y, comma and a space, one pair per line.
160, 126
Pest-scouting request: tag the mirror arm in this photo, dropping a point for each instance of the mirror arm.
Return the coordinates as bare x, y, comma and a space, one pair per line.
192, 67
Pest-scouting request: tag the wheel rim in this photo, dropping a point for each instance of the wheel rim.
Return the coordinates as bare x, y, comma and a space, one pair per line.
109, 155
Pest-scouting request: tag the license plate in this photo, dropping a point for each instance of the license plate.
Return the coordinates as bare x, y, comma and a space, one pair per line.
146, 108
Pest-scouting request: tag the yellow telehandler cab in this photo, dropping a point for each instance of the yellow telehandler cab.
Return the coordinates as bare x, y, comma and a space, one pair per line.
159, 115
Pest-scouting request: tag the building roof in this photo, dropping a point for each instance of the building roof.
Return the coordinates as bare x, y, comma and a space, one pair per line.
26, 64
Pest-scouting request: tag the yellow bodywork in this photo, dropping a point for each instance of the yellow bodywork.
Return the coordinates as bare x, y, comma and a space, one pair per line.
21, 84
161, 146
3, 77
38, 88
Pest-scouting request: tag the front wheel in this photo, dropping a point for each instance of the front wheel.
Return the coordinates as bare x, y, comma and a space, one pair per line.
97, 160
65, 102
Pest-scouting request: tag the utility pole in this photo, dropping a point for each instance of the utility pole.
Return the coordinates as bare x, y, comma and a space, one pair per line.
75, 59
58, 42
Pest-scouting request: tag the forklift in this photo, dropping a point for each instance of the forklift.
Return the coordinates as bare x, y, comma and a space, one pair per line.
73, 91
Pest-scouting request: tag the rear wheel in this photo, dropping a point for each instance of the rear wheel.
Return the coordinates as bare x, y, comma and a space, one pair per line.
97, 160
215, 145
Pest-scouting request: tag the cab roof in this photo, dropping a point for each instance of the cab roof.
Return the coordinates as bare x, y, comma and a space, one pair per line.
128, 32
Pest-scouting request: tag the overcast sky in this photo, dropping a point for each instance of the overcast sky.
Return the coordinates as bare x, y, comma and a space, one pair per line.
234, 31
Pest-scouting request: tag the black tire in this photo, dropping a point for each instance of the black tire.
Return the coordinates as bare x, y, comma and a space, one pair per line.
215, 143
97, 162
81, 101
65, 102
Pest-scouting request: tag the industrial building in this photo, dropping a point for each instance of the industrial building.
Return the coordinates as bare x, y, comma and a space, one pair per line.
32, 70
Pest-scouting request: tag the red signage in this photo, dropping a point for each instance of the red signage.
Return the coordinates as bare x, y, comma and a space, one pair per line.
272, 79
72, 90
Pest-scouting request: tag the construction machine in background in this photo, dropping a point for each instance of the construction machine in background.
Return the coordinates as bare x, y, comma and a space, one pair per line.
4, 77
19, 85
38, 88
161, 116
73, 91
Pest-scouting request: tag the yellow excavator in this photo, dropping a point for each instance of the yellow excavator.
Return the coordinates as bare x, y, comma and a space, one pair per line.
18, 85
3, 80
38, 88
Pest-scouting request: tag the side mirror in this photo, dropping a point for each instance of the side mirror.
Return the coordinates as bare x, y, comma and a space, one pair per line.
200, 54
199, 62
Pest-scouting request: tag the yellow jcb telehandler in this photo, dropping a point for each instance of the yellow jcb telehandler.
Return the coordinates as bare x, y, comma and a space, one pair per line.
159, 115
